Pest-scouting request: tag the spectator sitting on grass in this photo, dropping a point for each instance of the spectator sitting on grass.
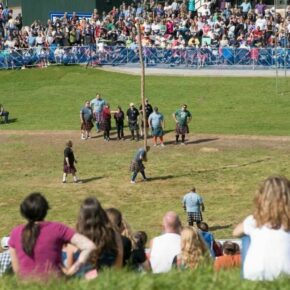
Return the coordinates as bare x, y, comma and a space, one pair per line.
231, 257
268, 255
138, 255
35, 248
115, 218
94, 223
193, 250
208, 237
165, 247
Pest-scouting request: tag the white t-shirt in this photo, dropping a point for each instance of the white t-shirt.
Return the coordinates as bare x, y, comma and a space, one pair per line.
269, 253
164, 249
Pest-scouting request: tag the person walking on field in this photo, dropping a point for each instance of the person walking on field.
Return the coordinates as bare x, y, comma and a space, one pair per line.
97, 105
86, 116
182, 118
193, 205
137, 164
69, 163
156, 123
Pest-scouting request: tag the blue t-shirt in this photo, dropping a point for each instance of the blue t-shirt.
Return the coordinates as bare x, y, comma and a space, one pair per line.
155, 120
98, 105
192, 202
87, 113
140, 153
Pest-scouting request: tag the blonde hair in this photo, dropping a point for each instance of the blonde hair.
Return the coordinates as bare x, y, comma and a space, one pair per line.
193, 248
272, 203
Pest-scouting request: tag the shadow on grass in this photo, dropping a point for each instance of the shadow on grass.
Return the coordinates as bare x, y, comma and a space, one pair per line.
12, 120
87, 180
161, 177
219, 227
202, 141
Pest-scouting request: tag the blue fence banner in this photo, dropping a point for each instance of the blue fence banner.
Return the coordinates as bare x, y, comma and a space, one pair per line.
153, 57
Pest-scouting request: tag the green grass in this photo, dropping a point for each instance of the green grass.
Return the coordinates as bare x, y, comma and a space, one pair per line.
51, 99
226, 176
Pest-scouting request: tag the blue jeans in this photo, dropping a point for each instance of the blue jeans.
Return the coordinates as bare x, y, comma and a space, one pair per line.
134, 175
246, 241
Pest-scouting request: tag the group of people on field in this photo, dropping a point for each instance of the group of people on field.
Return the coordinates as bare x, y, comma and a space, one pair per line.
98, 111
102, 239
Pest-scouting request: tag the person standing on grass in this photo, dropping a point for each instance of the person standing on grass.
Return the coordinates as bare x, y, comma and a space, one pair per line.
182, 118
137, 164
97, 105
106, 122
4, 114
132, 117
86, 116
69, 163
156, 123
193, 205
119, 117
148, 112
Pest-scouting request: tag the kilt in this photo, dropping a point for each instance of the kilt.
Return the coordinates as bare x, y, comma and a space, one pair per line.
69, 169
194, 217
157, 132
133, 125
98, 117
181, 129
87, 126
136, 166
105, 125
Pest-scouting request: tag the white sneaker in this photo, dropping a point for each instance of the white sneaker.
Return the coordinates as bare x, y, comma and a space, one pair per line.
133, 182
154, 145
182, 143
162, 145
83, 137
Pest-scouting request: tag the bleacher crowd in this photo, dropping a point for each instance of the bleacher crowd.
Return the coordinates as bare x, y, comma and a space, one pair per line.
102, 239
173, 24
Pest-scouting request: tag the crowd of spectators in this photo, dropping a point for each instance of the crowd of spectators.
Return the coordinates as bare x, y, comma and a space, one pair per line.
173, 24
103, 239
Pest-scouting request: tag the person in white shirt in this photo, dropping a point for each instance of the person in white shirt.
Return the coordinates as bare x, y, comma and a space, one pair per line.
268, 254
165, 247
261, 22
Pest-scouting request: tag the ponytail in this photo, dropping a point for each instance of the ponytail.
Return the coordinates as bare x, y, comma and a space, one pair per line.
30, 234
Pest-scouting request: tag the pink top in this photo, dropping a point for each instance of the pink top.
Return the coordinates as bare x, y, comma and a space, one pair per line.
46, 258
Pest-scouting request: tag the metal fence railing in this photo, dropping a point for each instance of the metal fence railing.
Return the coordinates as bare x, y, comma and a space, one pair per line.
116, 55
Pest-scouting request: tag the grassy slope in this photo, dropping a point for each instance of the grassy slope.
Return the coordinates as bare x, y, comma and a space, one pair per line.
51, 99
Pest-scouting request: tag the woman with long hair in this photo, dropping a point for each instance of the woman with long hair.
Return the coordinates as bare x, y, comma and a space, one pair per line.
95, 225
268, 255
35, 248
193, 250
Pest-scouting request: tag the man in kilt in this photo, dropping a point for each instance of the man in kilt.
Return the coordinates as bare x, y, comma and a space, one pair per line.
69, 163
132, 117
97, 105
193, 205
86, 116
182, 117
137, 164
156, 123
148, 112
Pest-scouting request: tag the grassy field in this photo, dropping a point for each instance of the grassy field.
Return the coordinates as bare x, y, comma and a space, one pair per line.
225, 170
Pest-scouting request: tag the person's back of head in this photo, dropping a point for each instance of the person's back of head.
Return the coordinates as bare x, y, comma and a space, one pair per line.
203, 226
272, 203
230, 248
115, 217
171, 223
34, 209
94, 223
139, 240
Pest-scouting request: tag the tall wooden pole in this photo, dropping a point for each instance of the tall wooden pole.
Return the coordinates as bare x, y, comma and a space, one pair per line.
142, 83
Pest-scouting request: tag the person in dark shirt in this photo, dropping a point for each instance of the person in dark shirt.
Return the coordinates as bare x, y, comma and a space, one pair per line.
119, 118
106, 122
115, 217
138, 255
69, 163
137, 164
148, 111
132, 116
86, 116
